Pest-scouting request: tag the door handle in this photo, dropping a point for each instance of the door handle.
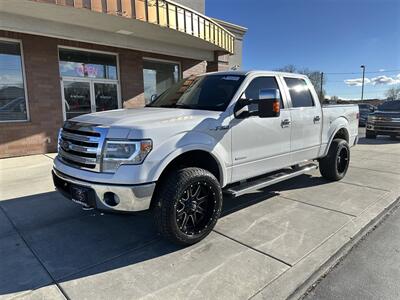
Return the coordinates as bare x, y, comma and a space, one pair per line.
285, 123
317, 119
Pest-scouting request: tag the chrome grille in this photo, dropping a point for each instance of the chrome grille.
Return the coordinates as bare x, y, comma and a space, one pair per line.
80, 145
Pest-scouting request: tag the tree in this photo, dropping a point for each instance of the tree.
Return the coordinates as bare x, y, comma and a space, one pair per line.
393, 93
314, 75
335, 99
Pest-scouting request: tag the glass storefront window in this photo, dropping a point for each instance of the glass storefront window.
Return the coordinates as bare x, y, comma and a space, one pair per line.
77, 99
89, 82
75, 63
12, 90
159, 76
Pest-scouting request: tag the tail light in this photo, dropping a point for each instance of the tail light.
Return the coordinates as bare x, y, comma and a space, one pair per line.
358, 116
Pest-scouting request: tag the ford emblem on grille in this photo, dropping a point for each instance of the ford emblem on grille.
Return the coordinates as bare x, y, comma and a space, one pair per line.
65, 144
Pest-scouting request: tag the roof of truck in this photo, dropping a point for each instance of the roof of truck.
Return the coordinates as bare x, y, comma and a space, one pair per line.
248, 72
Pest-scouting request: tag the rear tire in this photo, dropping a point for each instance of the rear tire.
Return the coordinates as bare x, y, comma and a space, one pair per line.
188, 205
334, 166
370, 134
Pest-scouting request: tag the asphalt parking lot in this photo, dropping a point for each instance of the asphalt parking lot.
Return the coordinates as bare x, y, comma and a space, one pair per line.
264, 247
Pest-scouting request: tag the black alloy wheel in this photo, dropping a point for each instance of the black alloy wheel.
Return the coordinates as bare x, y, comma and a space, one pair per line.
342, 160
335, 164
187, 205
195, 207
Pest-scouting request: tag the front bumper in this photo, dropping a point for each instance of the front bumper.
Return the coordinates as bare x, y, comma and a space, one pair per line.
384, 128
107, 197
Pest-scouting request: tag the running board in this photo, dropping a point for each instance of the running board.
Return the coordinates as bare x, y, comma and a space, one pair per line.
263, 182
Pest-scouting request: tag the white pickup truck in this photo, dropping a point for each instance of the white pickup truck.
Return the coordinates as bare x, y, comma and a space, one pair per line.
209, 135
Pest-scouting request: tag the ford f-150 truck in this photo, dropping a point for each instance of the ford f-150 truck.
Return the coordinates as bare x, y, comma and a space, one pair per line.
384, 121
213, 134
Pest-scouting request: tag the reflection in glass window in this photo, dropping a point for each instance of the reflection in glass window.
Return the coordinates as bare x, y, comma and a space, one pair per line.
75, 63
299, 92
12, 92
258, 84
77, 98
158, 76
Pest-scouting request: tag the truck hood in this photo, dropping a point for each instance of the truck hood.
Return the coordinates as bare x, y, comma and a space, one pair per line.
147, 117
386, 113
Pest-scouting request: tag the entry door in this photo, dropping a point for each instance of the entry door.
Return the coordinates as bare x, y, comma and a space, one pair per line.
105, 96
83, 96
260, 145
306, 119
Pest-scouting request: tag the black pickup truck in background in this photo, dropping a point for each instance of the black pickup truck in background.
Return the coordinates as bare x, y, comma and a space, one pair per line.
365, 110
384, 121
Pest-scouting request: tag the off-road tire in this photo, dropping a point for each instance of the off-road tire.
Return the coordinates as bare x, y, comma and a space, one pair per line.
370, 134
331, 166
169, 196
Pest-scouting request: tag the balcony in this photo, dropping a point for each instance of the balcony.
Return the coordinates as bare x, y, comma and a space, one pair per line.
164, 13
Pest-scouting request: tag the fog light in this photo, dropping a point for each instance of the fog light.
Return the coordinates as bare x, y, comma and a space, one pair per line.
111, 199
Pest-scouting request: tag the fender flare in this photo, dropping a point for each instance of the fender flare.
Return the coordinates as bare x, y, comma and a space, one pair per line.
342, 126
193, 147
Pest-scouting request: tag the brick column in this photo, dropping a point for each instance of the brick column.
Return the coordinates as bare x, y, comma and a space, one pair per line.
220, 62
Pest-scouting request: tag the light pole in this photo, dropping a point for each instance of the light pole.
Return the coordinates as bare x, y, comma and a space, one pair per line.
362, 88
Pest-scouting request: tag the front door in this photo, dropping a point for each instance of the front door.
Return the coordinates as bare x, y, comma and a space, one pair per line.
306, 120
83, 96
260, 145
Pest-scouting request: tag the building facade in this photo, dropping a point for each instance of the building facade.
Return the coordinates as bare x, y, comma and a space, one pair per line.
63, 58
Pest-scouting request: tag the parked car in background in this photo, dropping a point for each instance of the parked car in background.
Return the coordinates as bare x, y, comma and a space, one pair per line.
384, 121
224, 132
365, 110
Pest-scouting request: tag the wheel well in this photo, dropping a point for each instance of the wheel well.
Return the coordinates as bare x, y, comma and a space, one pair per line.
342, 134
195, 158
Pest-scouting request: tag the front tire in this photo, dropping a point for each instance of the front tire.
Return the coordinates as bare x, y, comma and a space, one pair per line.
370, 134
334, 166
188, 205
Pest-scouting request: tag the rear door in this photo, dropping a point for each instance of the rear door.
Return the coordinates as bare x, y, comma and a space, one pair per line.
306, 119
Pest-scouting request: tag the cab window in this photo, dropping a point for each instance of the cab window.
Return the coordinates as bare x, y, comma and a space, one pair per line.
300, 94
260, 83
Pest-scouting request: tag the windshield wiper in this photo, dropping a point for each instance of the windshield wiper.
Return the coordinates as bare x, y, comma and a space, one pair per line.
186, 106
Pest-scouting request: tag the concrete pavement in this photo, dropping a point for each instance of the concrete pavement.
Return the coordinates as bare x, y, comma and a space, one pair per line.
266, 245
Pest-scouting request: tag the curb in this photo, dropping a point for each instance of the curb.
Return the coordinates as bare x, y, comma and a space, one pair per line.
302, 277
313, 281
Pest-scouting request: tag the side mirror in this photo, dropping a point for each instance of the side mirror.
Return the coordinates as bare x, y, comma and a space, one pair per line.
266, 106
269, 103
153, 97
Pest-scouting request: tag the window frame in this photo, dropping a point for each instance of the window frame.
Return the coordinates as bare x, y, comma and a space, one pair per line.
290, 96
91, 81
162, 61
28, 117
280, 88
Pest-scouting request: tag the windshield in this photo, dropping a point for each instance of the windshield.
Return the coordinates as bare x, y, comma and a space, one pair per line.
390, 105
209, 92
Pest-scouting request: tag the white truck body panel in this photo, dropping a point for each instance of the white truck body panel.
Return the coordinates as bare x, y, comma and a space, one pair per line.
243, 148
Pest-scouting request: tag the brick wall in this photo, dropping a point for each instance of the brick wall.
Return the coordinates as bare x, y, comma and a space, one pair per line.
39, 135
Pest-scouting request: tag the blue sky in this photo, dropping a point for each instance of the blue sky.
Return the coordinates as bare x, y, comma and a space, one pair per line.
330, 36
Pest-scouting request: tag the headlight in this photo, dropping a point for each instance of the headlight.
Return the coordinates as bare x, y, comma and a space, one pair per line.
118, 153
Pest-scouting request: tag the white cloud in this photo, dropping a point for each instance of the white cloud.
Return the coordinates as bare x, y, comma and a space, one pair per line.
356, 81
379, 80
381, 70
10, 79
383, 79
